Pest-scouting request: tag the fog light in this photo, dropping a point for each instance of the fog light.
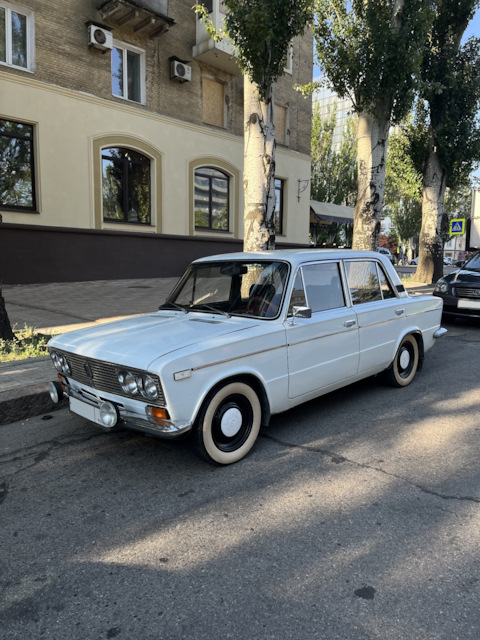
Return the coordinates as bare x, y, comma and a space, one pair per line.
56, 392
108, 414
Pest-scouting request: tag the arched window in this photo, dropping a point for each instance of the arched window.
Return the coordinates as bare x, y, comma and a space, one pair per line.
211, 199
125, 186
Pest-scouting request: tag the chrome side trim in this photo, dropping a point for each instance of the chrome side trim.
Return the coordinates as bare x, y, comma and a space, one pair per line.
245, 355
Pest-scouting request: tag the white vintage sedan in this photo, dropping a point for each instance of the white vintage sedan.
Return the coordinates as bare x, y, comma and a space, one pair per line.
244, 336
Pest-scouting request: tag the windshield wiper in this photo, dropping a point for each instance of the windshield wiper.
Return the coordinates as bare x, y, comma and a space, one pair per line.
200, 307
173, 305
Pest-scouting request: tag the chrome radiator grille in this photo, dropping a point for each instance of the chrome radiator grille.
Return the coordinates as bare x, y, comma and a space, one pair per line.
103, 376
467, 292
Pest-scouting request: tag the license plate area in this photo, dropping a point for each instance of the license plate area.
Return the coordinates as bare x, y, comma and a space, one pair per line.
85, 410
468, 304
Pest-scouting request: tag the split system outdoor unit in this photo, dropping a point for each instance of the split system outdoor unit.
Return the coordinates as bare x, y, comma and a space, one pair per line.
100, 38
180, 71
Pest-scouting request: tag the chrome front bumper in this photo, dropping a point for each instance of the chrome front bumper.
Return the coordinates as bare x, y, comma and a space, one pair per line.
87, 404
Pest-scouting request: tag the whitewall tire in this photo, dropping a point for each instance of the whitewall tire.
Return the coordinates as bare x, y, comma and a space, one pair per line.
228, 423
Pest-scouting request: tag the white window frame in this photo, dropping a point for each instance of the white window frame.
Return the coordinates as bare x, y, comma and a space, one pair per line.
128, 47
29, 15
288, 68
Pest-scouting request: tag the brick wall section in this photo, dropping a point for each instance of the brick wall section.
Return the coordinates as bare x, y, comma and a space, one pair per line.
63, 58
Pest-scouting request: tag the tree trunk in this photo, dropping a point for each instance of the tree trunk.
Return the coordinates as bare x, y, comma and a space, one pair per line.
258, 170
6, 332
434, 221
372, 136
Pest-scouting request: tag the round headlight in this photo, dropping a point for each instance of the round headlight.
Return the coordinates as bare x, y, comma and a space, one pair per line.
56, 361
441, 286
149, 388
128, 382
65, 367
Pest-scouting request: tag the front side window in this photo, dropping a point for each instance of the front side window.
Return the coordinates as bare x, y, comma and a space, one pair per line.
128, 73
279, 204
16, 39
363, 281
240, 288
17, 175
125, 186
211, 199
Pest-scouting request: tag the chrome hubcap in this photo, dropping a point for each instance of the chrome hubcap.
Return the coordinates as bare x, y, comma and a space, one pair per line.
404, 359
231, 422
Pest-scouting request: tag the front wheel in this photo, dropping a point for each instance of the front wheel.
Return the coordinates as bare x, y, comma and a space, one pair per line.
405, 364
228, 423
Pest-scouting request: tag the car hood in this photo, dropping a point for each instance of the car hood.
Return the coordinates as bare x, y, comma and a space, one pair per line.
466, 276
140, 340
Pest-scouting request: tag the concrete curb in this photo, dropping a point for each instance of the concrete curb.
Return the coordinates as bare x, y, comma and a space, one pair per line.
27, 402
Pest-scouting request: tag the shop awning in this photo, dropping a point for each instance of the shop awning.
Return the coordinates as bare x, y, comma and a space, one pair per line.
326, 213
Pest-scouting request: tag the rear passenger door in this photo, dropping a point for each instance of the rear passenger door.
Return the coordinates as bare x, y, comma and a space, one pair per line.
324, 349
381, 315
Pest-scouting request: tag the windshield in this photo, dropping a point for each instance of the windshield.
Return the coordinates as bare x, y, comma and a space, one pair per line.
473, 263
232, 287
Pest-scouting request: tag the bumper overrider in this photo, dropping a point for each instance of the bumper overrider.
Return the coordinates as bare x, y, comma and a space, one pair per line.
105, 408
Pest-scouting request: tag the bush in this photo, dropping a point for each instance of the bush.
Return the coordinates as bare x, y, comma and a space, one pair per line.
26, 344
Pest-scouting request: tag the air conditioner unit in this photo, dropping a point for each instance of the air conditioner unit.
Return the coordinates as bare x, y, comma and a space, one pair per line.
99, 38
180, 71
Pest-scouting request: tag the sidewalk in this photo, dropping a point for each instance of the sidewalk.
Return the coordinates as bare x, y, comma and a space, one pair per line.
56, 308
60, 307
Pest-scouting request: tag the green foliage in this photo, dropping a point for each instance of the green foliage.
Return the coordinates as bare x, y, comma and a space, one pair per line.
451, 86
403, 186
334, 171
27, 344
370, 50
262, 31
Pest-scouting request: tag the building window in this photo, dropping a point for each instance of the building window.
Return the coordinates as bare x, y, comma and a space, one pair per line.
17, 175
16, 37
125, 186
128, 73
211, 199
279, 204
213, 102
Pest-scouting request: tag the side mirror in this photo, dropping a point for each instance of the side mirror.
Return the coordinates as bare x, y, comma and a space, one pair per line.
300, 312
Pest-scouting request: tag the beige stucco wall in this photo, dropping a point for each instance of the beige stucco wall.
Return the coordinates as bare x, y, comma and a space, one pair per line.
70, 128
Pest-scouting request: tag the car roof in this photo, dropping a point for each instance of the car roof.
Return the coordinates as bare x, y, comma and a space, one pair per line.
293, 256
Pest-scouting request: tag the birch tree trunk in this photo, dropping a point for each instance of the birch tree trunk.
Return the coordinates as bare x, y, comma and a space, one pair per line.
434, 221
258, 170
372, 136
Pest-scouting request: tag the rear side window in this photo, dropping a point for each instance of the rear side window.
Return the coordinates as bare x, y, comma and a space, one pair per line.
323, 286
363, 281
387, 291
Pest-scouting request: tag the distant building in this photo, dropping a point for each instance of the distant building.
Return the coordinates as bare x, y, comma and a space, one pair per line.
121, 140
327, 100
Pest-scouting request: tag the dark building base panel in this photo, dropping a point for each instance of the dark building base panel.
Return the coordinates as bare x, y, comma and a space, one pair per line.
30, 254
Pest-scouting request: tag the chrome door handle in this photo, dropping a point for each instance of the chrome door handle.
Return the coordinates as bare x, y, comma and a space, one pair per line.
399, 311
349, 323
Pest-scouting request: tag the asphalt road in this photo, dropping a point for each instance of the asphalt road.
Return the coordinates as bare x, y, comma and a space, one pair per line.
355, 516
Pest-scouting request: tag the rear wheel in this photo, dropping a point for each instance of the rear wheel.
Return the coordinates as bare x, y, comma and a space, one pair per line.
405, 363
228, 423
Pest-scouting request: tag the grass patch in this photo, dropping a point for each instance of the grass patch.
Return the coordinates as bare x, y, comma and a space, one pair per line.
26, 344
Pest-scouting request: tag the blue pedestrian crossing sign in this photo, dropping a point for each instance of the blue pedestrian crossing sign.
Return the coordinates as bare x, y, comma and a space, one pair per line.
457, 227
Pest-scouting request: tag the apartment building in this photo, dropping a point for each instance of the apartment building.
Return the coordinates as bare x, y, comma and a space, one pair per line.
121, 140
